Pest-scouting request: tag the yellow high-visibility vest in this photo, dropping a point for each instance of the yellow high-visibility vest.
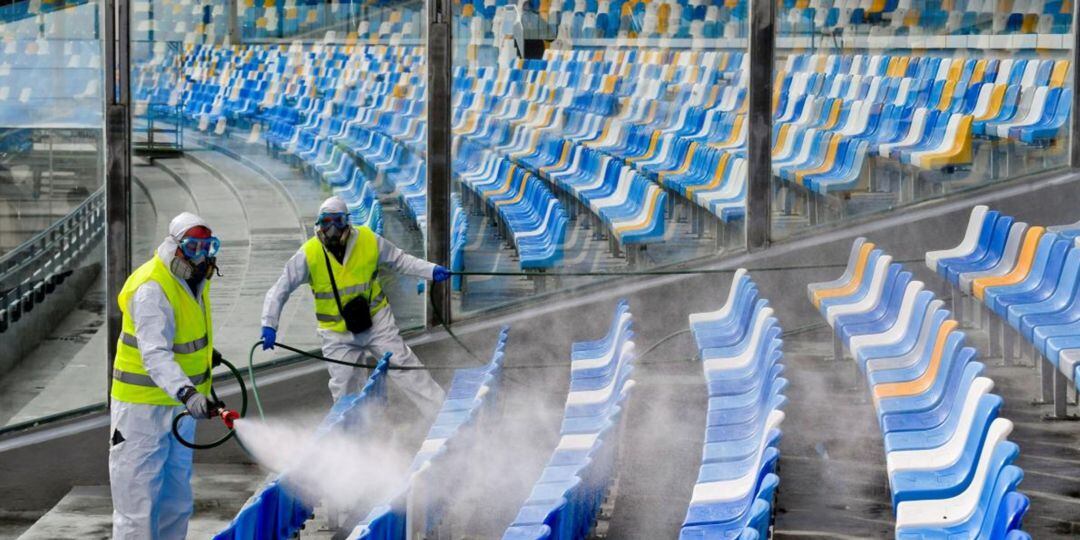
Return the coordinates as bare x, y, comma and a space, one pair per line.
354, 279
193, 344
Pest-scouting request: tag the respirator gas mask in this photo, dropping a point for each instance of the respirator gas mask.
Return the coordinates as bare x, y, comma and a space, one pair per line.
332, 229
198, 260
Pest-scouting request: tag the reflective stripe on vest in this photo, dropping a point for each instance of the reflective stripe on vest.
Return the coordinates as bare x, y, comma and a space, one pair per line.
145, 380
354, 290
193, 342
178, 348
326, 317
356, 278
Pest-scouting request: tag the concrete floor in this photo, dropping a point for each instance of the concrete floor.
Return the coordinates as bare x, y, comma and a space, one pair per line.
86, 512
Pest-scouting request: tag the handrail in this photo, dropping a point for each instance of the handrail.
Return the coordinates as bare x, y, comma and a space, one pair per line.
36, 266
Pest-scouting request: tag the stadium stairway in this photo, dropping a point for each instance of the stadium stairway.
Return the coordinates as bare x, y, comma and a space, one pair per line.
215, 186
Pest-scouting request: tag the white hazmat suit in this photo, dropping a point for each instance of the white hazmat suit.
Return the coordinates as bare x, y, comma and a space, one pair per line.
149, 471
381, 338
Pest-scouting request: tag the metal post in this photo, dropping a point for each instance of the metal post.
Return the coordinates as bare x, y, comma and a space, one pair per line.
1074, 139
438, 152
117, 63
1046, 372
234, 26
1061, 393
759, 145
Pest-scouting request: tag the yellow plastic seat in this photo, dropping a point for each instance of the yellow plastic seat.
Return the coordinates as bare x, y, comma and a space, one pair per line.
1019, 272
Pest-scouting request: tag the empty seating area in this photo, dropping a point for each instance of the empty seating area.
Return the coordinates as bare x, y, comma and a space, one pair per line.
634, 146
363, 138
948, 457
276, 511
565, 500
1027, 276
442, 463
740, 349
602, 131
50, 83
914, 17
576, 135
576, 20
909, 125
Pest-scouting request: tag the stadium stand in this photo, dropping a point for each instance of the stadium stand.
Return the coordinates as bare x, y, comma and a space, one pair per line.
351, 118
441, 464
275, 511
561, 151
49, 84
632, 139
1027, 276
922, 115
565, 500
739, 344
948, 459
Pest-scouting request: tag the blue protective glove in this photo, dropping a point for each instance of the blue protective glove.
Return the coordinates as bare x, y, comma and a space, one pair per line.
269, 336
440, 274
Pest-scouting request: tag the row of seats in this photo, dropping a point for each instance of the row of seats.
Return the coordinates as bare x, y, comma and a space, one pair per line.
832, 112
276, 511
740, 349
591, 19
15, 11
531, 218
910, 17
1029, 276
948, 459
608, 156
50, 83
416, 510
268, 19
565, 501
626, 203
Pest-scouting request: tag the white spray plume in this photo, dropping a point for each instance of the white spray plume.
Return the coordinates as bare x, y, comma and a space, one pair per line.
341, 470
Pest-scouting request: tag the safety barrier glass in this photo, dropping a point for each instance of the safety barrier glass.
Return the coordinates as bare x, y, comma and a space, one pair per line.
52, 208
592, 139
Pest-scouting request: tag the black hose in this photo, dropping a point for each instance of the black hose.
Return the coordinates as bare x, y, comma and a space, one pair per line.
213, 395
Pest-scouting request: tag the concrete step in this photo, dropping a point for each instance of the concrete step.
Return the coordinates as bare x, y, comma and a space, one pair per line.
86, 511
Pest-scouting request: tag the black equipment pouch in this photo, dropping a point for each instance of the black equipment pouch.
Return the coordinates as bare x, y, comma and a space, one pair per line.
357, 313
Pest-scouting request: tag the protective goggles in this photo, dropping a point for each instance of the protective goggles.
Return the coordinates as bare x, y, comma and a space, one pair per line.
196, 248
338, 220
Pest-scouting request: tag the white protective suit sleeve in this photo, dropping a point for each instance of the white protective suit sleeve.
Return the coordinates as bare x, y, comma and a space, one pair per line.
294, 275
155, 329
394, 258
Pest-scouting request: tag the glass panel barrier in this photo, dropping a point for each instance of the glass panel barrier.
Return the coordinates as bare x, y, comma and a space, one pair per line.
594, 137
881, 105
51, 208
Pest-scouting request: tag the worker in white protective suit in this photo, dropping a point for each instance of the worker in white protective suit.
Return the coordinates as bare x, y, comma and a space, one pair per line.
163, 361
341, 264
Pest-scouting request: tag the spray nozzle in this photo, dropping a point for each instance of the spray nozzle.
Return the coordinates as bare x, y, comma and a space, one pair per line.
228, 417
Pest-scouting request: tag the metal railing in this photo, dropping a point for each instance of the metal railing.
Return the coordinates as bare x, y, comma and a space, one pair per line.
36, 267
